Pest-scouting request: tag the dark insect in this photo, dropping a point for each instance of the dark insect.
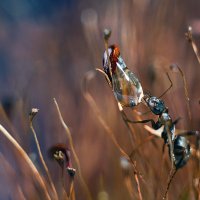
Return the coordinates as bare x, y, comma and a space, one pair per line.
179, 148
128, 92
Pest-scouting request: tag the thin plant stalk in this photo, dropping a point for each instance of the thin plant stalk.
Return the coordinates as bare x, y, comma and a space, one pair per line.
122, 112
63, 177
42, 159
71, 191
130, 130
18, 193
149, 138
171, 176
92, 103
8, 121
186, 92
109, 132
192, 42
129, 187
65, 196
106, 76
69, 136
185, 88
26, 159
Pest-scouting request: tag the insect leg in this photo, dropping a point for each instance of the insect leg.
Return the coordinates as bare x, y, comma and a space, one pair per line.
142, 121
171, 145
189, 133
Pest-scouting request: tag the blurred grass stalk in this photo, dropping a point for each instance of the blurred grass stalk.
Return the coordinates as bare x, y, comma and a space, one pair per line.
109, 132
26, 159
18, 192
69, 136
34, 112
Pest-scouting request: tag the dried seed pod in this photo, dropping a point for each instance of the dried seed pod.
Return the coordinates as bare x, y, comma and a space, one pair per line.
107, 33
33, 113
61, 154
71, 171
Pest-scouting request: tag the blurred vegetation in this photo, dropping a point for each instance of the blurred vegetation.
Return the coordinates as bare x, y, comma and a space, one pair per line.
46, 47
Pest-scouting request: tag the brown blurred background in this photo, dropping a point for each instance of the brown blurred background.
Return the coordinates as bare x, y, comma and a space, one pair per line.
46, 47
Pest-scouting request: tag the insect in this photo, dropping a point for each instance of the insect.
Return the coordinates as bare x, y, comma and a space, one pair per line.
128, 92
126, 86
179, 147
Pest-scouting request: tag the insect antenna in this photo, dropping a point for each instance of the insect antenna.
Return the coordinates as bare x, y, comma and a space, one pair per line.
171, 84
171, 146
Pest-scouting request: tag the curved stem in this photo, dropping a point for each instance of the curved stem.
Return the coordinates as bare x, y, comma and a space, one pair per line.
109, 132
171, 176
27, 160
69, 136
43, 162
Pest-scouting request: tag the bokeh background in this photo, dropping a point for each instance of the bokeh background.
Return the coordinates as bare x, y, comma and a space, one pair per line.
46, 47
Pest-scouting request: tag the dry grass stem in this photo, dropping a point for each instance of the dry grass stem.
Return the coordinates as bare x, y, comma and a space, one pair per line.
123, 114
69, 136
171, 176
106, 76
5, 116
130, 130
20, 193
192, 42
129, 187
186, 92
41, 156
149, 138
109, 132
71, 192
9, 171
92, 103
27, 160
